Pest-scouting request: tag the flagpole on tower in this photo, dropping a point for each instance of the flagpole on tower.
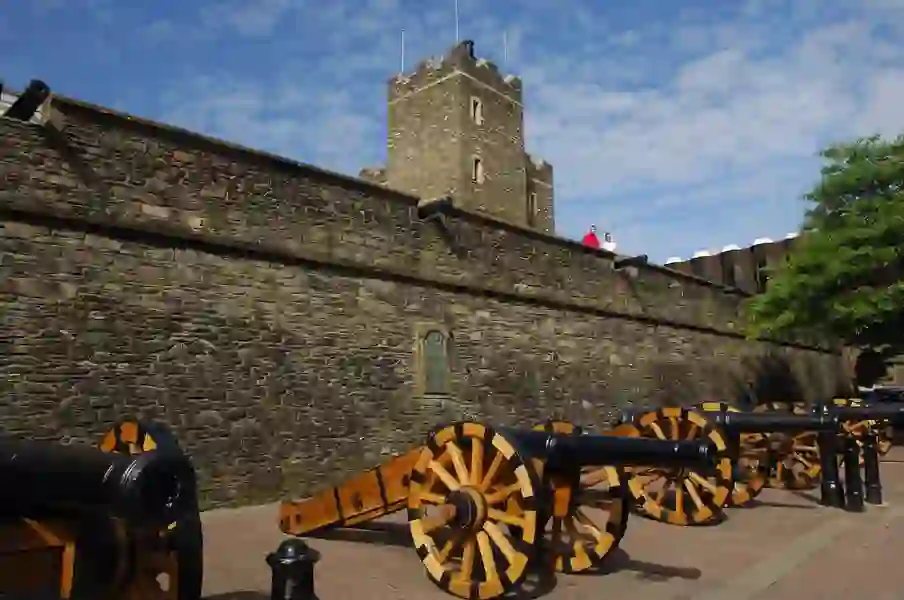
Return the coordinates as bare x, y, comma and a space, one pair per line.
504, 48
457, 37
402, 60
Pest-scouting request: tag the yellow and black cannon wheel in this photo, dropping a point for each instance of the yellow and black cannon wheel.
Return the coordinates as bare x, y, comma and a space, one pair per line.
586, 513
681, 496
751, 470
793, 458
883, 429
174, 560
474, 525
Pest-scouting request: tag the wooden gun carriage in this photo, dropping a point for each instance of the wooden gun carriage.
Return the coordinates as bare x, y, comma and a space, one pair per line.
486, 504
119, 522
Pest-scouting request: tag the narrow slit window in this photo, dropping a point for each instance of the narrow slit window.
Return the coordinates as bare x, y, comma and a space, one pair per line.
436, 363
477, 171
477, 111
532, 209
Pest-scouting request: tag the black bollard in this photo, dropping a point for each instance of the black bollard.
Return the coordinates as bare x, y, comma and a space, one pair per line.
293, 571
853, 482
832, 492
871, 469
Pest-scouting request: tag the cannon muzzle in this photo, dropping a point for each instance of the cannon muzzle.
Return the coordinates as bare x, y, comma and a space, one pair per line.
38, 477
593, 449
29, 101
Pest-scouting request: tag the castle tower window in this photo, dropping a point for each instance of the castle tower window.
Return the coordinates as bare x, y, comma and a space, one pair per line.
531, 209
477, 171
436, 363
477, 110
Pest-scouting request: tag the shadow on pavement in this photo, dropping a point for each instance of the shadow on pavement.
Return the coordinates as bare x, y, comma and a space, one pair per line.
379, 533
755, 503
621, 561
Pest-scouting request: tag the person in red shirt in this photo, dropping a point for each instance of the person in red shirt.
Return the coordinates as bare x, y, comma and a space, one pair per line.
590, 240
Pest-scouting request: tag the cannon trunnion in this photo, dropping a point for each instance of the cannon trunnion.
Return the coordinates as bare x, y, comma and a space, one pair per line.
119, 522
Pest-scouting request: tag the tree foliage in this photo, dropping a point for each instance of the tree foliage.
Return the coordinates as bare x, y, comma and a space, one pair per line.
844, 280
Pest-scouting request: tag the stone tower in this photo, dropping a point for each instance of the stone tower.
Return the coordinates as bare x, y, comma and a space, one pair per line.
456, 127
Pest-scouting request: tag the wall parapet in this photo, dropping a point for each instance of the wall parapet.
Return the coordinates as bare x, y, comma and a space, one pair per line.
130, 175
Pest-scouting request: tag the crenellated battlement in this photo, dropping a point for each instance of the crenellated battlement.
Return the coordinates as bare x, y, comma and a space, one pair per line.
374, 175
459, 59
538, 168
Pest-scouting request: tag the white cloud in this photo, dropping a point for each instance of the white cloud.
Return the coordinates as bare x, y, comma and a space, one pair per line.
281, 118
727, 121
705, 123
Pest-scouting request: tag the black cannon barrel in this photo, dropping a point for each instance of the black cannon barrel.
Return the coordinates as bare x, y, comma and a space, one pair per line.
774, 422
594, 449
867, 412
39, 476
29, 101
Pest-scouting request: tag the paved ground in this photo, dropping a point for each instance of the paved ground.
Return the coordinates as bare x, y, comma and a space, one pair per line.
786, 547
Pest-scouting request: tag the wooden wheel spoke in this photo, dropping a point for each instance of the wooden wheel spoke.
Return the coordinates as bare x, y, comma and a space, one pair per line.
577, 538
679, 501
491, 473
692, 431
600, 499
674, 428
799, 458
450, 546
588, 523
755, 453
502, 494
486, 556
643, 471
650, 477
504, 517
477, 451
432, 498
500, 541
805, 448
458, 462
657, 431
468, 556
693, 493
445, 476
594, 477
706, 484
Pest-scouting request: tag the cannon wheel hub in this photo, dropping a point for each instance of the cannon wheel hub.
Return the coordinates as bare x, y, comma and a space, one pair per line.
470, 508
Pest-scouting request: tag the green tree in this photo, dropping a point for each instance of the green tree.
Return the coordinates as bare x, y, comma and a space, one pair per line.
844, 280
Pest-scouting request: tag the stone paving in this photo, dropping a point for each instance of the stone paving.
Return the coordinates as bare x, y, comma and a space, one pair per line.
787, 546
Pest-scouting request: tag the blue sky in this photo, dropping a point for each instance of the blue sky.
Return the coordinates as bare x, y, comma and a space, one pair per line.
677, 126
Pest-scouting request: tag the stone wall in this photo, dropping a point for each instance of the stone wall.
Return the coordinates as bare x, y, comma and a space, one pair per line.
271, 312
